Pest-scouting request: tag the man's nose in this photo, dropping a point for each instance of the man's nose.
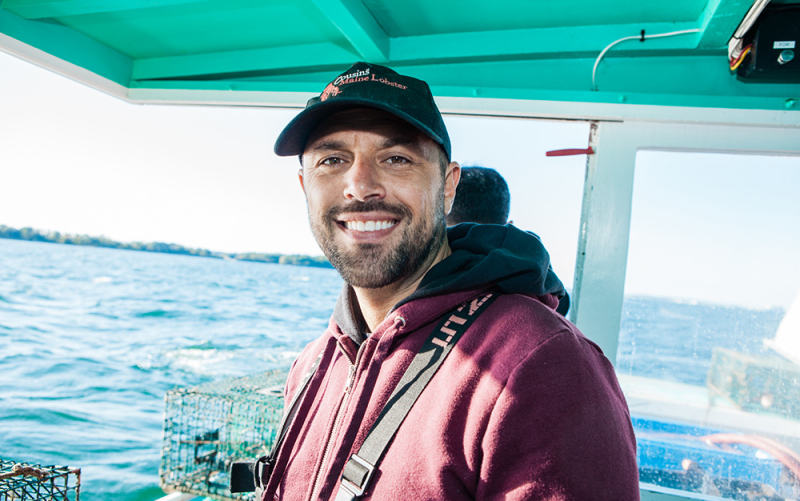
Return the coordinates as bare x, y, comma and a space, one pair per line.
363, 181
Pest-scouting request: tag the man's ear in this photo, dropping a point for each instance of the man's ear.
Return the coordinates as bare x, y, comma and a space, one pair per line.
451, 178
300, 178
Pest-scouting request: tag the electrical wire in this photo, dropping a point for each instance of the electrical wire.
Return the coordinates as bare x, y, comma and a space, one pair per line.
750, 18
735, 48
735, 64
641, 37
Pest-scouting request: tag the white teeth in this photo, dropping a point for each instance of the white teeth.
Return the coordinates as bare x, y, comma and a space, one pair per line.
368, 225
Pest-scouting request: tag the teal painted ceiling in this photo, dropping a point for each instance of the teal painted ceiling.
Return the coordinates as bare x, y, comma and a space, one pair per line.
423, 17
519, 49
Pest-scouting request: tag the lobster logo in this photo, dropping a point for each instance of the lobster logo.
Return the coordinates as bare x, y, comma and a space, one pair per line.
330, 91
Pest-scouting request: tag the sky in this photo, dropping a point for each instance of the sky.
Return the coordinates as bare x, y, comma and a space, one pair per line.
727, 232
75, 160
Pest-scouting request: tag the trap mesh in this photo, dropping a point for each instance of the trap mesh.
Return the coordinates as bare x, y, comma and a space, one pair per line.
33, 482
756, 383
208, 427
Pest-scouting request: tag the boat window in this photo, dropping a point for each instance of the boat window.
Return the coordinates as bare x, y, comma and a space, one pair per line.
546, 192
709, 348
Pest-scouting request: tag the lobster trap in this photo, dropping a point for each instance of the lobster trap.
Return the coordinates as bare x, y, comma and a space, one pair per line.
33, 482
208, 427
756, 383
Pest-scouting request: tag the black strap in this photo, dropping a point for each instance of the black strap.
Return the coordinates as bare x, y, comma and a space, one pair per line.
288, 416
248, 476
359, 469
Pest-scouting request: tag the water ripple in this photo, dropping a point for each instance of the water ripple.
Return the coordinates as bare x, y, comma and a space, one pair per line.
92, 338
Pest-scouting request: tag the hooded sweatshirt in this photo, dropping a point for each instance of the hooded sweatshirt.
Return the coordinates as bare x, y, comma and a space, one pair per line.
524, 407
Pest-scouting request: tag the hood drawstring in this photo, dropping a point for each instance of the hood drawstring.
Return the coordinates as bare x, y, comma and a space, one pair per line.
397, 325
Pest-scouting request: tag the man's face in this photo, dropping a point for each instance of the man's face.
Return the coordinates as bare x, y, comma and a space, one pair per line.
376, 196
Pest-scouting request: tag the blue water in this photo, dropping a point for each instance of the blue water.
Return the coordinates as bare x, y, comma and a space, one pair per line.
91, 339
673, 339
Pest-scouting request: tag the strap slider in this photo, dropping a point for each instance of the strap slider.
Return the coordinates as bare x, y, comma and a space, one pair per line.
357, 475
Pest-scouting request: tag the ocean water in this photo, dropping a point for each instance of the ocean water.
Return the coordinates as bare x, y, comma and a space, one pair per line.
673, 339
91, 339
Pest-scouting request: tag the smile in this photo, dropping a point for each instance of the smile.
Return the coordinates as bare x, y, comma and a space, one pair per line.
368, 225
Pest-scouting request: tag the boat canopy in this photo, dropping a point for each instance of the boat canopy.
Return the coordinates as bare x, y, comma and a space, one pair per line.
279, 52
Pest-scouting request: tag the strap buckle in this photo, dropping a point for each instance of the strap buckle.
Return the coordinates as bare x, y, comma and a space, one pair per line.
262, 471
356, 478
249, 476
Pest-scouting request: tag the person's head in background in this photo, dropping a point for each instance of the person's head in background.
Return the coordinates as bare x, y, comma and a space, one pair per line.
481, 197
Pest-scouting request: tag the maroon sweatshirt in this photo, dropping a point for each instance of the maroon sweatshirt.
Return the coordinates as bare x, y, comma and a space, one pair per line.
524, 407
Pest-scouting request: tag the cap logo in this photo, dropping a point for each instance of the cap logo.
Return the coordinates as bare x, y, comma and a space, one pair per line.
330, 90
345, 78
389, 82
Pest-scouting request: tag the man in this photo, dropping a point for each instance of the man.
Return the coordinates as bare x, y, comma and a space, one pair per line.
523, 407
483, 197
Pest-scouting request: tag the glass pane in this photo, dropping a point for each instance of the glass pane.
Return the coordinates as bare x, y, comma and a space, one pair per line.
709, 353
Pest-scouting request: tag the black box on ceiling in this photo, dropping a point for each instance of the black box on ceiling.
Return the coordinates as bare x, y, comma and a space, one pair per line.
775, 56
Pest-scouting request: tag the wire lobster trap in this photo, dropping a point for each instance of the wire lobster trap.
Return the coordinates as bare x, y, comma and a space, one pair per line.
33, 482
208, 427
756, 383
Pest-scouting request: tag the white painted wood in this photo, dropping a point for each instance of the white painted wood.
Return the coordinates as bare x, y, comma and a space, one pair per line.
73, 72
603, 242
616, 112
179, 496
258, 99
476, 106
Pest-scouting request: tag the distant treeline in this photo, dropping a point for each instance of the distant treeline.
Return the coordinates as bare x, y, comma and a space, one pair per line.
35, 235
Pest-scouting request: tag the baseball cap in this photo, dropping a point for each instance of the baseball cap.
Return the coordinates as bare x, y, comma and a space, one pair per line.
373, 86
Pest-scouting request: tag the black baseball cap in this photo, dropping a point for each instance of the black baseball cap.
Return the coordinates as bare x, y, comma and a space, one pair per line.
373, 86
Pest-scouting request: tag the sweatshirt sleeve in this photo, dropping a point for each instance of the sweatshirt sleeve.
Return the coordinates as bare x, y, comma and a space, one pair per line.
560, 429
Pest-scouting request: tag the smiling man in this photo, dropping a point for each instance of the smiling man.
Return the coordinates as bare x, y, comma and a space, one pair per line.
375, 186
445, 373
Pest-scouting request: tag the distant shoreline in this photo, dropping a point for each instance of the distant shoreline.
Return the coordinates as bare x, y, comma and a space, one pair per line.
34, 235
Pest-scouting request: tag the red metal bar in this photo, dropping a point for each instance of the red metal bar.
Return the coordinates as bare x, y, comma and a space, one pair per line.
570, 151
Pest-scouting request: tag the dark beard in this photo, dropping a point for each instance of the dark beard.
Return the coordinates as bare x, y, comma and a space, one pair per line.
372, 266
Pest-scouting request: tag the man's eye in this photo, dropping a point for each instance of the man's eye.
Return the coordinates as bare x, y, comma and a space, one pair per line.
397, 160
332, 161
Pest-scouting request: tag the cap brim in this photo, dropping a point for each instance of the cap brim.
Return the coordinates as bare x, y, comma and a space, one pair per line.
293, 138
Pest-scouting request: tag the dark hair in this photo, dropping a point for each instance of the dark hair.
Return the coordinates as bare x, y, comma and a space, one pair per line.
481, 197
